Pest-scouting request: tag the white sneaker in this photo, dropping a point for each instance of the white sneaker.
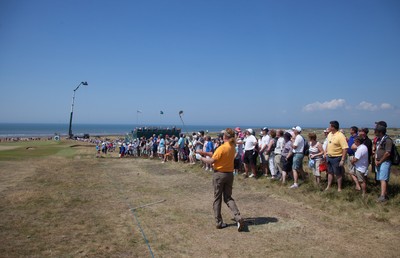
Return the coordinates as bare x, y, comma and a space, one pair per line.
293, 186
252, 175
240, 225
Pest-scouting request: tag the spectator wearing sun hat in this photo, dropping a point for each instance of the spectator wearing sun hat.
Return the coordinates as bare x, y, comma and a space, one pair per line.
250, 153
239, 133
298, 156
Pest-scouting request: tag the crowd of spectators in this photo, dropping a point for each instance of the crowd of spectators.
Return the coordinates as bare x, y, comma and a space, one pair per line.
281, 154
24, 139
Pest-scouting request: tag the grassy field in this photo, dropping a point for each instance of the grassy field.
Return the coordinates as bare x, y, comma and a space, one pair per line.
58, 200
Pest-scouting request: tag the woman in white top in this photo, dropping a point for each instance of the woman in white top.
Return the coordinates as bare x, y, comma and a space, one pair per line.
250, 153
316, 156
271, 154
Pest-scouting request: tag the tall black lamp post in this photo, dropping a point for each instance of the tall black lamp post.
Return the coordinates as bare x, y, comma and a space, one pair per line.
72, 108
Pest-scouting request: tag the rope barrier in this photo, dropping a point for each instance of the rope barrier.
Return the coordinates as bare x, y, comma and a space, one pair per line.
133, 212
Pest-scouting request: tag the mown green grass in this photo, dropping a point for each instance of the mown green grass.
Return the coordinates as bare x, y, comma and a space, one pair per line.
35, 149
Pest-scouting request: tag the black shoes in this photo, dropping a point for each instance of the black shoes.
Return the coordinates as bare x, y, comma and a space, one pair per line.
240, 225
221, 226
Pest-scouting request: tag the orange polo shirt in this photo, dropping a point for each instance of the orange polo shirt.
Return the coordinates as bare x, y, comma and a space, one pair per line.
224, 157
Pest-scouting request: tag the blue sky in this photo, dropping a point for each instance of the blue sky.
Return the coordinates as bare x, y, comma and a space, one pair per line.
274, 63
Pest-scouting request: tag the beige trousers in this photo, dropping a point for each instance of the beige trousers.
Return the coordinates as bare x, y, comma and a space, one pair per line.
222, 182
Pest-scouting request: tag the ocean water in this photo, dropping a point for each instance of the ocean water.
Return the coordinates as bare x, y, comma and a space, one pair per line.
45, 130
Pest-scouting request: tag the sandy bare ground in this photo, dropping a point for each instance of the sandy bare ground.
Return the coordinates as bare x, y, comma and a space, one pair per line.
2, 148
86, 207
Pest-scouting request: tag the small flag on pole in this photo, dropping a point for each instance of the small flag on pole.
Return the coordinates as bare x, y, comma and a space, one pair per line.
161, 113
139, 111
181, 112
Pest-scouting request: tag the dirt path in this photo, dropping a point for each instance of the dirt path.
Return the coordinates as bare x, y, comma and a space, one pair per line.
81, 207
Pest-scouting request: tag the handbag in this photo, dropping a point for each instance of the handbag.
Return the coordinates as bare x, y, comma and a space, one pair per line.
323, 167
311, 163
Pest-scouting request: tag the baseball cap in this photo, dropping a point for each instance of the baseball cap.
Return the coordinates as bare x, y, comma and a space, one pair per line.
297, 128
249, 130
237, 129
265, 129
382, 123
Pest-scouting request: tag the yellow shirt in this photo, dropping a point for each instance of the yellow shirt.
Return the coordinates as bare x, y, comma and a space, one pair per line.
336, 144
224, 157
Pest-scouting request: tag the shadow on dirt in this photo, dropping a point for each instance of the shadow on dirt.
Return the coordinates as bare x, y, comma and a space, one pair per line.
256, 221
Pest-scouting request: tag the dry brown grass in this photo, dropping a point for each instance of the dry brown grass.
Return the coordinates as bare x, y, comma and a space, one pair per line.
81, 206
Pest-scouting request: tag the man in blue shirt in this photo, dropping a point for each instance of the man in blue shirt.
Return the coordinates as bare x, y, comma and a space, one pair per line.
353, 135
352, 147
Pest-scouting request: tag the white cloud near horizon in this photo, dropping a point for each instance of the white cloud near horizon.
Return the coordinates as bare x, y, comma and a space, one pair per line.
372, 107
330, 105
341, 103
386, 106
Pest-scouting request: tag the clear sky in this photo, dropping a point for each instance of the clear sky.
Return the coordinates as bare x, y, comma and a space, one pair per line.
230, 62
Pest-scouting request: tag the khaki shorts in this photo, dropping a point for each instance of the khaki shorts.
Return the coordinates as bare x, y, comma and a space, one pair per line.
350, 166
361, 177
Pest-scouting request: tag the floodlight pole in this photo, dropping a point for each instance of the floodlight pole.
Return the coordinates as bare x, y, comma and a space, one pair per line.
70, 134
184, 127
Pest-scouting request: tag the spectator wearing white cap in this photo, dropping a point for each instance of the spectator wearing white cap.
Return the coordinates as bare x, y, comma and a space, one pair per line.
263, 145
250, 153
298, 156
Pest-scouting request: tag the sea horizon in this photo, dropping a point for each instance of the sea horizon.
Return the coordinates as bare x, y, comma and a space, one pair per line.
21, 130
25, 130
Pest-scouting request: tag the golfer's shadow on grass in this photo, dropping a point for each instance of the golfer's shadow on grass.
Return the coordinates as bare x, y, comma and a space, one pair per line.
257, 221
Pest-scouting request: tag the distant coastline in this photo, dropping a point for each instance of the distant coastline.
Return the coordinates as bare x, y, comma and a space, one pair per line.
21, 130
41, 130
